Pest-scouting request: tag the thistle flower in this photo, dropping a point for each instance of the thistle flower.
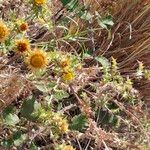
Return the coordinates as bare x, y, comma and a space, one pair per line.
64, 63
61, 123
63, 126
68, 147
4, 32
64, 147
40, 2
22, 45
68, 75
37, 59
23, 26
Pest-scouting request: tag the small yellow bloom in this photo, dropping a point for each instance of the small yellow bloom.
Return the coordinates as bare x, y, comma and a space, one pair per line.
68, 147
22, 45
37, 59
23, 26
61, 123
68, 75
40, 2
65, 147
63, 126
4, 32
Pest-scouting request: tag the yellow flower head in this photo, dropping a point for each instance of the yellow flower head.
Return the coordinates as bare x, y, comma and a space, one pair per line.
37, 59
23, 26
22, 45
40, 2
68, 147
68, 75
4, 32
63, 126
65, 147
61, 123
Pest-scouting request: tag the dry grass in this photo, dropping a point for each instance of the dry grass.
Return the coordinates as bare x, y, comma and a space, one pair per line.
129, 42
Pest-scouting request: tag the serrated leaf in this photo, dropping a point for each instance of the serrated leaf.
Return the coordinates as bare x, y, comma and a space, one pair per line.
6, 143
12, 119
86, 16
51, 85
19, 138
7, 111
107, 118
105, 22
104, 61
70, 4
28, 108
41, 87
33, 147
60, 94
65, 2
113, 120
9, 117
78, 122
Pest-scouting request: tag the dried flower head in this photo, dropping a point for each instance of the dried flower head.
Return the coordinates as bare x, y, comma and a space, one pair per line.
23, 26
64, 63
4, 32
64, 147
22, 45
40, 2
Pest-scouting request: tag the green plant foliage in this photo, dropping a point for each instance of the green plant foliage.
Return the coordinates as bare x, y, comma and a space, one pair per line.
19, 138
78, 122
6, 143
70, 4
33, 147
106, 118
105, 22
104, 62
65, 2
68, 74
28, 108
60, 94
9, 117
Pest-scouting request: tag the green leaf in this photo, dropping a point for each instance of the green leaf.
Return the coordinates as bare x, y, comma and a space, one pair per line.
51, 84
33, 147
19, 138
105, 22
78, 122
9, 117
60, 94
104, 61
7, 111
65, 2
107, 118
28, 108
12, 119
41, 86
87, 16
7, 143
70, 4
108, 20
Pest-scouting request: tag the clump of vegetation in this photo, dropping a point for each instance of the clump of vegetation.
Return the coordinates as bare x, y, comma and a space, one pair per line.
74, 74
